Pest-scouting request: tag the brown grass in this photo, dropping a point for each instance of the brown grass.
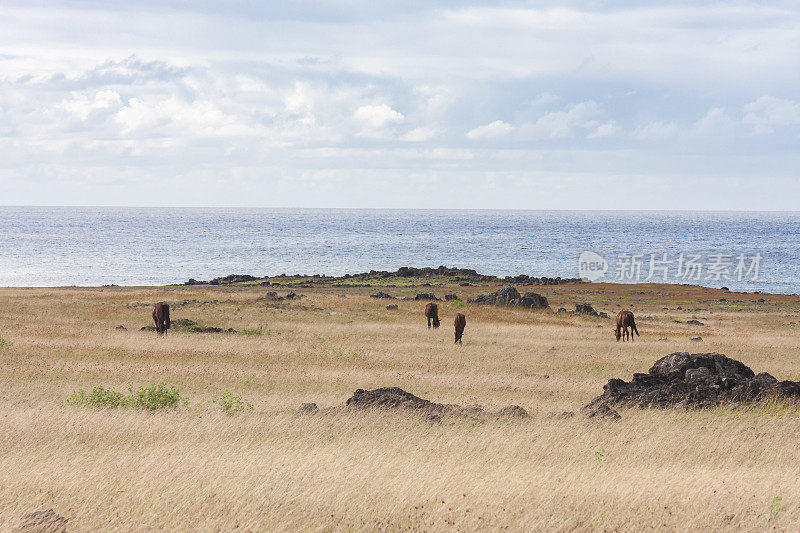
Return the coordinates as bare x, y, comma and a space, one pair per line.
268, 469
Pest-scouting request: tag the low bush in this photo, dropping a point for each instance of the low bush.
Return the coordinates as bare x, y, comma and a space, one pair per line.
232, 404
155, 396
98, 397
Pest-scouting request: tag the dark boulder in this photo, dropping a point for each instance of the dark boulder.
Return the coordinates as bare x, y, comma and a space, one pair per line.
508, 295
392, 307
451, 297
395, 398
381, 294
694, 322
293, 296
532, 299
308, 409
427, 296
585, 309
693, 380
388, 397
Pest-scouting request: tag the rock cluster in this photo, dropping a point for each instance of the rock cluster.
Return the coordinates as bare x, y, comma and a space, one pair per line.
693, 380
395, 398
381, 294
509, 295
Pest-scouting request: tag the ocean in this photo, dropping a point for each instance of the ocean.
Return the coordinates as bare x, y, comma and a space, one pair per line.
90, 246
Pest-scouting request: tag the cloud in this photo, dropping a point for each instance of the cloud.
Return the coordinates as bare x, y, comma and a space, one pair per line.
563, 124
378, 116
767, 112
420, 134
493, 130
115, 95
606, 129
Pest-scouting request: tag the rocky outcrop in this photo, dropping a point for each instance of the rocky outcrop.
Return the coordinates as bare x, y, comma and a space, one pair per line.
693, 380
392, 307
508, 295
585, 309
381, 294
395, 398
424, 296
534, 300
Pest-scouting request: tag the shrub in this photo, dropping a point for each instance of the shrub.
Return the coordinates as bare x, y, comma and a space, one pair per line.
99, 397
231, 404
156, 396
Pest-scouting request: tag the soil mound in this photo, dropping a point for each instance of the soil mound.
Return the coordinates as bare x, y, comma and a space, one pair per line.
695, 380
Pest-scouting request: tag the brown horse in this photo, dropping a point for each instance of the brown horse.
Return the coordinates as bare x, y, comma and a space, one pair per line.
459, 324
432, 314
161, 317
624, 321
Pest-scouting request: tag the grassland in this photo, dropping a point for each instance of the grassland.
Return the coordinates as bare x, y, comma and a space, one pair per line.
204, 467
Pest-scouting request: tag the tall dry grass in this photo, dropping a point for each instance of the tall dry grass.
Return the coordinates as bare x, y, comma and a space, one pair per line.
268, 469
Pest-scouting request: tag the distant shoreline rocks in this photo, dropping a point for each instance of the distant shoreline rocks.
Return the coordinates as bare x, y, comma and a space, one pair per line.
462, 276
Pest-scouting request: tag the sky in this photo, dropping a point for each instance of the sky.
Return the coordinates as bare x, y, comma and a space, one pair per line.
401, 104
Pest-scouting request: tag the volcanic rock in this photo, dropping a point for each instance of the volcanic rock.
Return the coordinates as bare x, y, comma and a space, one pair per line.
585, 309
381, 294
508, 295
693, 380
532, 299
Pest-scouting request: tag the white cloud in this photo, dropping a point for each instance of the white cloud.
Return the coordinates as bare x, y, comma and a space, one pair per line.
81, 105
319, 102
493, 130
378, 116
714, 124
768, 111
420, 134
606, 129
562, 124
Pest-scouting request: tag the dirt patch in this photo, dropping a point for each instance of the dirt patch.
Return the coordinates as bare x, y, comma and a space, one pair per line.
695, 380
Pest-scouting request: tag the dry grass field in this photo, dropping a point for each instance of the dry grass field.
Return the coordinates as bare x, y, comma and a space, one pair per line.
195, 468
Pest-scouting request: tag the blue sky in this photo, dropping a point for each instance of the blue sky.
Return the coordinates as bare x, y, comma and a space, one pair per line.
569, 105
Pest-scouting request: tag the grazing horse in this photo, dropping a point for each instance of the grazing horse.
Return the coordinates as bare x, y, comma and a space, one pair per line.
432, 314
459, 324
624, 321
161, 317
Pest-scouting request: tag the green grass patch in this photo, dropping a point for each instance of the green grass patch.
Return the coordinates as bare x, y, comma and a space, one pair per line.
98, 397
152, 397
232, 404
250, 332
